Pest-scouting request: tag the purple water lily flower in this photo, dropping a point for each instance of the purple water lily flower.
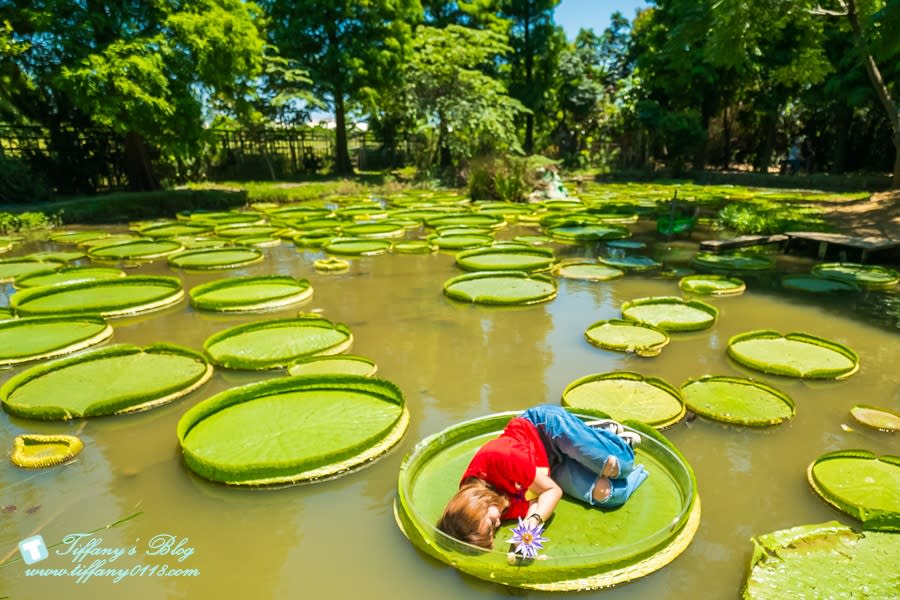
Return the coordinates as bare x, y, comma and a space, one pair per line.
528, 538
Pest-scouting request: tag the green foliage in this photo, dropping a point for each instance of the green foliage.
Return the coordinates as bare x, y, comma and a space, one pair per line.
26, 221
768, 218
127, 206
19, 183
510, 178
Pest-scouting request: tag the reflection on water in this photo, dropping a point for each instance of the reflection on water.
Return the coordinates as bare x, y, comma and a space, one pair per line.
337, 539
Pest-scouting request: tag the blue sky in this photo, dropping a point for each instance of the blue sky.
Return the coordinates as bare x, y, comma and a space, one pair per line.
573, 15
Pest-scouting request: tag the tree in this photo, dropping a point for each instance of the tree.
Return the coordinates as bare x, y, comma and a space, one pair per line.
351, 49
140, 70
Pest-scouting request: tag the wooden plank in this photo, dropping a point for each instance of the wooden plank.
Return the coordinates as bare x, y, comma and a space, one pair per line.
863, 243
742, 241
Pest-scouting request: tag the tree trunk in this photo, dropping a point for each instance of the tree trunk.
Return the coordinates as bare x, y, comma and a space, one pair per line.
726, 134
842, 120
342, 164
138, 166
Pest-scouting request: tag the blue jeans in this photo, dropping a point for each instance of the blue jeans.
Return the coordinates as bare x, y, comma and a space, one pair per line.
578, 453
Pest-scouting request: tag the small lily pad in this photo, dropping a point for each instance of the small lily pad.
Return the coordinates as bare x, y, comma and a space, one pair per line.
276, 343
292, 429
506, 257
107, 297
331, 264
343, 364
250, 293
737, 400
627, 336
38, 451
671, 313
626, 395
793, 355
860, 484
817, 285
501, 287
37, 338
712, 285
589, 271
876, 418
112, 380
872, 277
216, 258
826, 560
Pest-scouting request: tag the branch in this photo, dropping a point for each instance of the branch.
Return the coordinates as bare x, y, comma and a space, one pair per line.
818, 10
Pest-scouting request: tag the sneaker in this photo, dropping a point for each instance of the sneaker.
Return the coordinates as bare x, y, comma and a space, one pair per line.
607, 424
631, 438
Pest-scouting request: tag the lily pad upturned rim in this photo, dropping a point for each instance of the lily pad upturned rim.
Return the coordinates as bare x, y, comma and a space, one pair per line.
600, 569
734, 262
297, 365
151, 249
70, 445
539, 258
302, 290
603, 272
801, 283
186, 259
729, 418
20, 299
694, 284
256, 364
871, 518
890, 420
282, 474
837, 270
631, 263
663, 421
29, 280
710, 310
103, 333
787, 370
331, 264
134, 403
646, 350
358, 246
496, 300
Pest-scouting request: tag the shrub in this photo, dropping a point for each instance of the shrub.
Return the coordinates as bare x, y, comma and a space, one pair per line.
19, 184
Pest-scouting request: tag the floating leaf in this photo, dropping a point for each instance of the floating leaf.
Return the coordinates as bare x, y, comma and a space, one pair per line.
505, 257
216, 258
860, 484
626, 395
357, 246
627, 336
876, 418
250, 293
734, 262
670, 313
344, 364
817, 285
793, 355
501, 287
589, 271
69, 275
737, 400
872, 277
107, 297
37, 451
712, 285
36, 338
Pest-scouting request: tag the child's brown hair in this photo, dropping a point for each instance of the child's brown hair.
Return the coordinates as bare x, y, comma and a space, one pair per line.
465, 512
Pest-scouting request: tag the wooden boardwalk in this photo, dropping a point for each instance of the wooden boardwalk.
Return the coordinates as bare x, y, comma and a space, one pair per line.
743, 241
845, 248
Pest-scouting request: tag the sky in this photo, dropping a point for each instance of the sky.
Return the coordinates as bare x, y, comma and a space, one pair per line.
573, 15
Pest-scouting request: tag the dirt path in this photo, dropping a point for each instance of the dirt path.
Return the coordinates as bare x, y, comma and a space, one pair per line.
877, 216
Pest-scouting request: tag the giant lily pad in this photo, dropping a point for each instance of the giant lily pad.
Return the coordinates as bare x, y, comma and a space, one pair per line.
136, 250
381, 229
586, 231
106, 297
37, 451
589, 548
216, 258
737, 400
873, 277
343, 364
826, 560
630, 263
276, 343
793, 355
69, 275
505, 257
35, 338
670, 313
712, 285
501, 287
860, 484
11, 269
112, 380
817, 285
624, 395
250, 293
589, 271
461, 241
174, 229
734, 262
627, 336
357, 246
876, 418
292, 429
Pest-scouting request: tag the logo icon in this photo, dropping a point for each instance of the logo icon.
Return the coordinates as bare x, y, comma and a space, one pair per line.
33, 549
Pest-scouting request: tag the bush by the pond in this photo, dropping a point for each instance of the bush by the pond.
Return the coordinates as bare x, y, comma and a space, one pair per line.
19, 183
26, 221
122, 207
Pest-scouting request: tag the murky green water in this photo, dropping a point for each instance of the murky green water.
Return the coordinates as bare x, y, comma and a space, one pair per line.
338, 539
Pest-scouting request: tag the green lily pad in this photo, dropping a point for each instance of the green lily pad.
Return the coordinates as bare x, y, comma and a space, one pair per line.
331, 264
106, 297
793, 355
712, 285
627, 336
76, 237
861, 485
589, 548
344, 364
216, 218
216, 258
817, 285
503, 257
414, 247
250, 293
174, 229
112, 380
671, 313
292, 429
872, 277
69, 275
257, 241
630, 263
589, 271
357, 246
61, 256
36, 338
379, 229
11, 269
578, 231
626, 244
241, 230
876, 418
276, 343
737, 400
469, 219
461, 241
625, 395
136, 250
827, 560
501, 287
38, 451
734, 262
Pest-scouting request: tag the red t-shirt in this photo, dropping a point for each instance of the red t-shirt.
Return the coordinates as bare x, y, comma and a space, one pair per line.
509, 463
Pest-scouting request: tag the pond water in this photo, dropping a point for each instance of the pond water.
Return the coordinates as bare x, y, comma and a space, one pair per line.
453, 361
